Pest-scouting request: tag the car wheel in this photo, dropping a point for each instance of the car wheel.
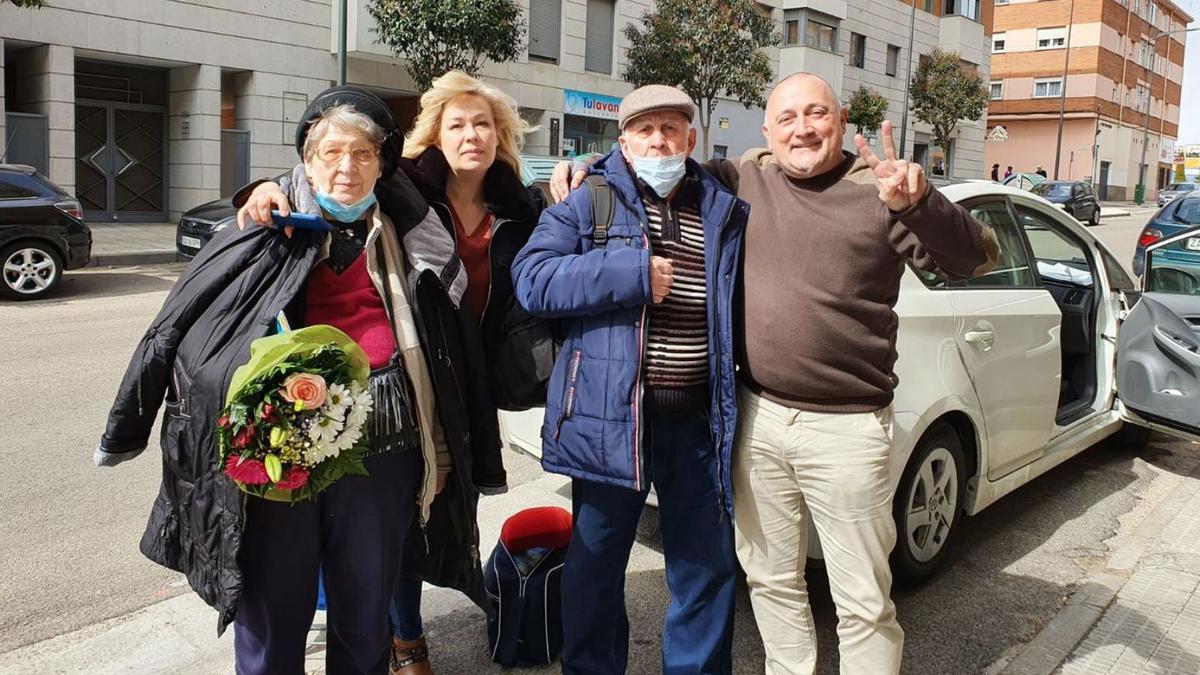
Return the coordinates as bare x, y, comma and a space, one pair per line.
29, 269
1095, 219
928, 508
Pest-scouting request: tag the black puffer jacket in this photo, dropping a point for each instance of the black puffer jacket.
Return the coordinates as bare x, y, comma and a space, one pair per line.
228, 297
505, 326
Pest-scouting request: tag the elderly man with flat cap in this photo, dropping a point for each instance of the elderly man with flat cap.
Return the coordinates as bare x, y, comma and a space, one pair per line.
643, 391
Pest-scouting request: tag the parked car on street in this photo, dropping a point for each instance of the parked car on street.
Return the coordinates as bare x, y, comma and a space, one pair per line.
1008, 375
1076, 197
42, 233
1023, 181
1174, 190
197, 226
1178, 215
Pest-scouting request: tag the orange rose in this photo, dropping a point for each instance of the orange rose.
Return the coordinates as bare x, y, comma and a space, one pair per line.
307, 388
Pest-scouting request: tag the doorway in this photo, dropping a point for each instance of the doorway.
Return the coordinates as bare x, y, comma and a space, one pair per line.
120, 160
1103, 187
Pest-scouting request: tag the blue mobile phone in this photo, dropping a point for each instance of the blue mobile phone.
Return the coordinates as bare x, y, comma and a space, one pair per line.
305, 221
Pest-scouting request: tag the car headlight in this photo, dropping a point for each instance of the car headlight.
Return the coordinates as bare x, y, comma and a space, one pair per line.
1060, 206
220, 226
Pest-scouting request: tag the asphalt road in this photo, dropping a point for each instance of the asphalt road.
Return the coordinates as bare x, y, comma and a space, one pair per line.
70, 531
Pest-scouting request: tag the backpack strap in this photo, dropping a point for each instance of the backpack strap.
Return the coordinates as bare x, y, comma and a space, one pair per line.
602, 209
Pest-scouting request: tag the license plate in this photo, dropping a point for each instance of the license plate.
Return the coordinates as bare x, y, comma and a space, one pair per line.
191, 242
1192, 244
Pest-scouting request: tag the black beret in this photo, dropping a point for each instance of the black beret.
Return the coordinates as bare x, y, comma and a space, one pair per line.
364, 102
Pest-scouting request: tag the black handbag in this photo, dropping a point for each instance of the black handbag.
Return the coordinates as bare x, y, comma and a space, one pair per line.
520, 364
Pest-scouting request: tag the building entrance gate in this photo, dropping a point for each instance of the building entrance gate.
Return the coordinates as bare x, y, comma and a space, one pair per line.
121, 160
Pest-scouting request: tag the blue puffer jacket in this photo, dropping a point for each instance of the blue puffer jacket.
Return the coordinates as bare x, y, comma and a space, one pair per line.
594, 415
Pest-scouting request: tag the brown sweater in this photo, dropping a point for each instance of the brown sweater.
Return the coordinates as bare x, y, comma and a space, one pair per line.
823, 259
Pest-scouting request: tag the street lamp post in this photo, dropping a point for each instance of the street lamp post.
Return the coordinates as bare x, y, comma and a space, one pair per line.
1140, 191
1062, 89
912, 30
341, 42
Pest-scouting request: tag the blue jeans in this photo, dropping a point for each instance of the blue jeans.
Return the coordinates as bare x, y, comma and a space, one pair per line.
405, 612
697, 538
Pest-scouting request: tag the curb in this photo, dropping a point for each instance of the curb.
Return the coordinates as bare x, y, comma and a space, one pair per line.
1054, 643
135, 258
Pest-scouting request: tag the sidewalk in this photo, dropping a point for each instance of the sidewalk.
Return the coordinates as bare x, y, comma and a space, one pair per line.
132, 244
1142, 614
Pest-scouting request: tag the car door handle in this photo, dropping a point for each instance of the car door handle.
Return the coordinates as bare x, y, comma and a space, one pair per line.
1188, 353
980, 338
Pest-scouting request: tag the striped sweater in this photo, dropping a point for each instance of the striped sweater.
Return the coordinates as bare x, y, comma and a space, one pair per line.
677, 346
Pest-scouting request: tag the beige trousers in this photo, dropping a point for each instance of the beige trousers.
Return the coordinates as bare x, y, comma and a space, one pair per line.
790, 466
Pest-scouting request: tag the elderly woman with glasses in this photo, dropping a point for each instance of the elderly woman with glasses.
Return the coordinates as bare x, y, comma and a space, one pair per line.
363, 284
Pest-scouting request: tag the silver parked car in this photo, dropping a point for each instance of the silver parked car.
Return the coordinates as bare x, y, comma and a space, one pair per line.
1174, 190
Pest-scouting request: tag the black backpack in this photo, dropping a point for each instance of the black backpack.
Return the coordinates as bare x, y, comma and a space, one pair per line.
523, 583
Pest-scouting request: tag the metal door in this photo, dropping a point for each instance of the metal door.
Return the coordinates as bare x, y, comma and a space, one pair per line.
121, 161
235, 160
1104, 180
27, 141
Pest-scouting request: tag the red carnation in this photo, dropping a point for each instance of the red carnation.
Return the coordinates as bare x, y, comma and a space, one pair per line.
268, 413
295, 477
223, 422
247, 471
243, 438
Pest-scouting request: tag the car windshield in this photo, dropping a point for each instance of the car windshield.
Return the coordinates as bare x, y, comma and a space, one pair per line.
1180, 187
1052, 190
1187, 211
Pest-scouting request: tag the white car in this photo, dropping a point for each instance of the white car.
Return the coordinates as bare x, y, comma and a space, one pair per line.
1007, 375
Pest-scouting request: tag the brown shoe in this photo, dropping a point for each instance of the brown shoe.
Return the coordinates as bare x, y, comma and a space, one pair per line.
410, 657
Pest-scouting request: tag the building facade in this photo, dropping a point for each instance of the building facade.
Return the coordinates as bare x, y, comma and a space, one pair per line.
1117, 68
147, 109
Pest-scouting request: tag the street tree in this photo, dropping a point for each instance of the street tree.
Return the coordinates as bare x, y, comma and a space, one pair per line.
867, 110
436, 36
943, 91
707, 48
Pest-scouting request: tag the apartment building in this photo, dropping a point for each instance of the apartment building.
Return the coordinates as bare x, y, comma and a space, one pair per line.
146, 109
1119, 63
865, 42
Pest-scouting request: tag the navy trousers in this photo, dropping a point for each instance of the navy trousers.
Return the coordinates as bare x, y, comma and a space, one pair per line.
355, 532
697, 542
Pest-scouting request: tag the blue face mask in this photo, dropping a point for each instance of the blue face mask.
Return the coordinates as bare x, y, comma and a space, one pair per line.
662, 174
345, 213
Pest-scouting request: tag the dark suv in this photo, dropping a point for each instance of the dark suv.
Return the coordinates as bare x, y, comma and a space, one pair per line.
1076, 197
42, 233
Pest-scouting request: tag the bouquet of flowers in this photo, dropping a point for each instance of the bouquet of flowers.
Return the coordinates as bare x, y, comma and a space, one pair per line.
293, 419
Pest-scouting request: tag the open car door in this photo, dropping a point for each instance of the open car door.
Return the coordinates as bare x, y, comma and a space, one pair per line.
1158, 346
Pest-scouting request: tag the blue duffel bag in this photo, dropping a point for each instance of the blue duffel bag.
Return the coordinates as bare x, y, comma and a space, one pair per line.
523, 582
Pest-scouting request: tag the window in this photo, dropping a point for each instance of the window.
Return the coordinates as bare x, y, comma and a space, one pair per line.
967, 8
545, 25
1014, 269
998, 41
10, 191
792, 32
1051, 38
893, 60
1151, 13
995, 90
1058, 256
810, 29
1047, 88
599, 47
858, 50
820, 35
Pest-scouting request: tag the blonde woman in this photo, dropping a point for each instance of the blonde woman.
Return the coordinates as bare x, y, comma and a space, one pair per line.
463, 155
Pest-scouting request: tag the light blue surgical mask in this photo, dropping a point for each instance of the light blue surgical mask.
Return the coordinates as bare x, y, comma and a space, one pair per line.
662, 174
345, 213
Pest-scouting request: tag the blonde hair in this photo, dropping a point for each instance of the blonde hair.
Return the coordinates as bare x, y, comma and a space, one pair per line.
510, 127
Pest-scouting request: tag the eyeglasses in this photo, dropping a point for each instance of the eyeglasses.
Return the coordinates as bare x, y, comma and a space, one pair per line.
333, 155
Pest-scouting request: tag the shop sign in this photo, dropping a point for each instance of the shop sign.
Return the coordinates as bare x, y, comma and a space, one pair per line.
586, 104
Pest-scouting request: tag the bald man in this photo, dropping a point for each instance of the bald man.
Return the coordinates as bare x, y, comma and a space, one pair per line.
827, 240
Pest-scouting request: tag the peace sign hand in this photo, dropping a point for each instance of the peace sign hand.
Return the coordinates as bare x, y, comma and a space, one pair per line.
901, 183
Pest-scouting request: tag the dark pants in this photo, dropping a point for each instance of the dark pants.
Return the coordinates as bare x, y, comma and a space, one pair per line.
354, 532
405, 612
697, 542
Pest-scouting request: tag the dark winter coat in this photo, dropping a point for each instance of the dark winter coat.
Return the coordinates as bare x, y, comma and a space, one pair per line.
228, 297
594, 414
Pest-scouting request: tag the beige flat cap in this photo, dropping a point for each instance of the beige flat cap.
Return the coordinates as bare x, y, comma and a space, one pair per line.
654, 98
